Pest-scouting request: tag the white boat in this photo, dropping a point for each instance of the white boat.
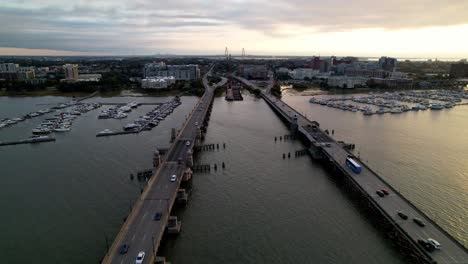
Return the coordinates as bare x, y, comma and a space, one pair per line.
41, 130
120, 115
125, 109
18, 119
2, 125
131, 126
437, 107
62, 129
380, 111
396, 111
104, 115
105, 132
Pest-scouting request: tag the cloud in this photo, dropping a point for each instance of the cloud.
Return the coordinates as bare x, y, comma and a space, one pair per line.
149, 26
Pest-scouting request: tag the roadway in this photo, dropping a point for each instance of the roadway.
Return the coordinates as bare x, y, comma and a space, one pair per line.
140, 231
452, 251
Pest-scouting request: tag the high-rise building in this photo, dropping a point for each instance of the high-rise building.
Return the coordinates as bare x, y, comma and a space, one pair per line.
9, 67
180, 72
387, 63
251, 71
71, 71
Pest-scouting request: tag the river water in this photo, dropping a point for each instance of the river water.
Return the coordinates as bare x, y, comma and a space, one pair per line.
63, 200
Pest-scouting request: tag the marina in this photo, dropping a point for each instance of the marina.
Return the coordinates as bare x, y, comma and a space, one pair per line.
144, 122
396, 102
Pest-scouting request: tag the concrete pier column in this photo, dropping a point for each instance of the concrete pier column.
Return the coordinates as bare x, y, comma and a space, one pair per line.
189, 158
156, 158
199, 133
173, 134
187, 175
182, 197
173, 225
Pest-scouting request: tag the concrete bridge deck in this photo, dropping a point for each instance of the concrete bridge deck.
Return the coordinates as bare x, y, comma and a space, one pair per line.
140, 231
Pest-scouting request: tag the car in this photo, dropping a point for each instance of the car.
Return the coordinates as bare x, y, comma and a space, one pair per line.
419, 222
196, 123
402, 215
199, 109
328, 145
434, 242
123, 249
187, 143
173, 178
426, 245
386, 192
380, 193
157, 216
140, 257
179, 161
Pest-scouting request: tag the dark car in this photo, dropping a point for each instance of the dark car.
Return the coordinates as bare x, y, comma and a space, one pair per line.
419, 222
386, 192
380, 193
426, 245
123, 249
402, 215
157, 216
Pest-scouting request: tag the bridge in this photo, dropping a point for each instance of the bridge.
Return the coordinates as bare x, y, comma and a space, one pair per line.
405, 233
140, 231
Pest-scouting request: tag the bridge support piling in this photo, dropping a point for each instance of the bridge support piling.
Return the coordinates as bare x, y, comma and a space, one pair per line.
173, 225
156, 158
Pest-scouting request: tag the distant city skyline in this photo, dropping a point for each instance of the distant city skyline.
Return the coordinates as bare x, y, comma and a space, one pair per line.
408, 29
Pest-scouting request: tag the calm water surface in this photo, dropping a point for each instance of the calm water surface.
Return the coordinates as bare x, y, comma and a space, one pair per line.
62, 200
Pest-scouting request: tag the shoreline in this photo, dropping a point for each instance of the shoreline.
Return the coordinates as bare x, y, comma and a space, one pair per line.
123, 93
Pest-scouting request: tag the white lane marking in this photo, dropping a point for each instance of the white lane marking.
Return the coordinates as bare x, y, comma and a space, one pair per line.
144, 236
133, 237
145, 214
121, 261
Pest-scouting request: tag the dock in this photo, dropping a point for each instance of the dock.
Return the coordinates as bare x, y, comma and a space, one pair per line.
405, 233
26, 141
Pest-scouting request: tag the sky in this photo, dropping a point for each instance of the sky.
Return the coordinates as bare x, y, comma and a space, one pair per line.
400, 28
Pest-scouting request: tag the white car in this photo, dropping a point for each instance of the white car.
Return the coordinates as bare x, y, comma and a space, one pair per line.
140, 257
196, 123
434, 243
187, 143
173, 178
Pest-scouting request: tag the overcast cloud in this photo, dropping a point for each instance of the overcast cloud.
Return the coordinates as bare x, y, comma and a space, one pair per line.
148, 26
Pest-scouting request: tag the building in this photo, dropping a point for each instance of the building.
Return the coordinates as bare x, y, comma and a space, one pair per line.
387, 63
459, 70
366, 73
71, 71
398, 75
400, 83
346, 82
302, 73
179, 72
251, 71
322, 65
9, 67
95, 77
13, 72
157, 82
